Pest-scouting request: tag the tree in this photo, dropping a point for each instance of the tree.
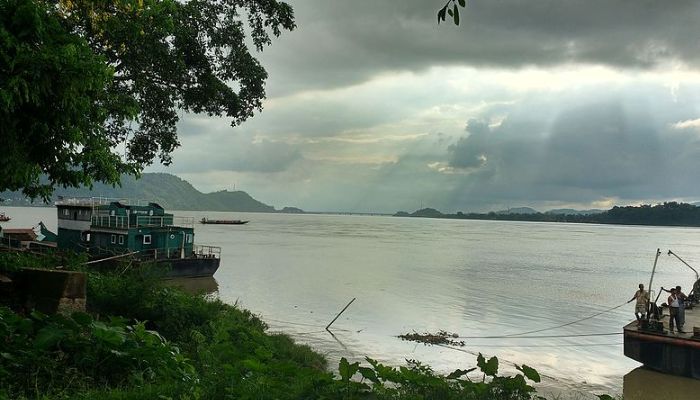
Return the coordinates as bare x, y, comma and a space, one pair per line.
83, 80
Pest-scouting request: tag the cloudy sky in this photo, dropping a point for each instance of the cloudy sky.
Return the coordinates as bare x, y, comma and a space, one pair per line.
374, 107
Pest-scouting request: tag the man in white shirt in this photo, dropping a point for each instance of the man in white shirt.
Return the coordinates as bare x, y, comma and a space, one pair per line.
673, 306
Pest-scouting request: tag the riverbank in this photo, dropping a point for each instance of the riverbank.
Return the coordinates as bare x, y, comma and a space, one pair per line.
140, 339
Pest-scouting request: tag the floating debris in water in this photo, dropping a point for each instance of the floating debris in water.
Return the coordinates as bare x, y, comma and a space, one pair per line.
441, 337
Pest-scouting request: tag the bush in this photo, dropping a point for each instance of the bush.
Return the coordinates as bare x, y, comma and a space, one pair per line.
61, 354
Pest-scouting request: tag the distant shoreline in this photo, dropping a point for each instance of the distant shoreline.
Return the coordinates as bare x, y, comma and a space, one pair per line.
669, 214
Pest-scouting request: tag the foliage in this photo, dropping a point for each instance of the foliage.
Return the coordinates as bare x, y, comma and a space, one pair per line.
204, 349
53, 103
211, 333
418, 381
452, 10
59, 354
82, 79
11, 261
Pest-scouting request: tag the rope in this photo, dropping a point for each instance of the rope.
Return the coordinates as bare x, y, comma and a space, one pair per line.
521, 335
540, 336
568, 323
528, 346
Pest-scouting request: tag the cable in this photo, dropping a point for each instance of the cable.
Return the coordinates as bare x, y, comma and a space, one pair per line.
566, 324
539, 336
526, 346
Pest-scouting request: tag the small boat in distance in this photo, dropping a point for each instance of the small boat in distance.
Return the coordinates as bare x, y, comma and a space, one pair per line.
3, 217
206, 220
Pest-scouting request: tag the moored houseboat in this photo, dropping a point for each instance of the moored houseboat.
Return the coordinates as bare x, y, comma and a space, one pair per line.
106, 227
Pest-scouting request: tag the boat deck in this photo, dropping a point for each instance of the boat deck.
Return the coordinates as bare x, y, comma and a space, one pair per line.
692, 319
658, 348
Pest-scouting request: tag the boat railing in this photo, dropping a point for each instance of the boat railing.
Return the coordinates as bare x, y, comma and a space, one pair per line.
198, 251
206, 251
97, 201
165, 220
110, 221
123, 221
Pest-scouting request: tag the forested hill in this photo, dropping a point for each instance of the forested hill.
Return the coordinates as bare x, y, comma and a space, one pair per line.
666, 214
167, 190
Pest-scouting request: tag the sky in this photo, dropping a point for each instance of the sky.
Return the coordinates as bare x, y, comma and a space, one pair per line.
372, 106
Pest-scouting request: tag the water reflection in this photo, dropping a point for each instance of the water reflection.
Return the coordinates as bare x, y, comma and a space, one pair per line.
205, 285
645, 384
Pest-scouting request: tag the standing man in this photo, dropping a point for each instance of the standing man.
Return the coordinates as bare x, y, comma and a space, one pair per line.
681, 307
673, 305
642, 305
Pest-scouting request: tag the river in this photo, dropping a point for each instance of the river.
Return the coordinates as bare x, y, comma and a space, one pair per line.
473, 278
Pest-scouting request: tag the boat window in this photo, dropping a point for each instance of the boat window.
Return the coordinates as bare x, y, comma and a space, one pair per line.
121, 239
66, 212
87, 237
189, 238
146, 239
114, 239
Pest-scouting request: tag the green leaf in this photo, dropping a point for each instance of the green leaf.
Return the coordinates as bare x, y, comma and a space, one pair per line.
83, 319
48, 337
253, 365
458, 373
368, 373
529, 372
113, 336
38, 315
490, 367
456, 16
450, 12
605, 397
441, 14
347, 370
462, 3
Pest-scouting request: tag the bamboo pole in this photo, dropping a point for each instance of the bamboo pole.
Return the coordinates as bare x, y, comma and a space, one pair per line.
341, 311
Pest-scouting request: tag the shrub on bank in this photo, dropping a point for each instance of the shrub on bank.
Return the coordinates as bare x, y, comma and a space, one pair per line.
167, 344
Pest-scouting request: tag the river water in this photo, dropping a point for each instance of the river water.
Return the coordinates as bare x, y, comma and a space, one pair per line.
473, 278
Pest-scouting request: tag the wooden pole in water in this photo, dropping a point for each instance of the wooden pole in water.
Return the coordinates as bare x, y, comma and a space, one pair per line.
341, 311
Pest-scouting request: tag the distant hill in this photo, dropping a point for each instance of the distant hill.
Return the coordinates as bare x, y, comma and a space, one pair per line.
518, 210
167, 190
427, 212
666, 214
571, 211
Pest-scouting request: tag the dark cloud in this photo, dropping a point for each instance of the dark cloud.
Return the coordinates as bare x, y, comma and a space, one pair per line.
598, 146
471, 151
342, 43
